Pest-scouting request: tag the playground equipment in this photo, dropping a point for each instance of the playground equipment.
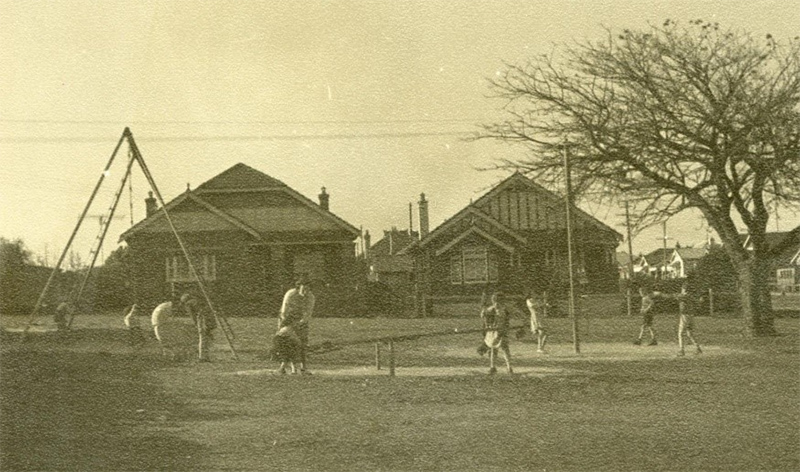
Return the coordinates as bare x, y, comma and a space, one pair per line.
105, 221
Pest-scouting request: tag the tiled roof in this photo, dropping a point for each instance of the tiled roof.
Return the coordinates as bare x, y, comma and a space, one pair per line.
691, 253
772, 238
384, 263
394, 239
657, 257
238, 177
293, 212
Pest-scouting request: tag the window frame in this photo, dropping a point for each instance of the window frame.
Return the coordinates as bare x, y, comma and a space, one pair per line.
483, 261
177, 269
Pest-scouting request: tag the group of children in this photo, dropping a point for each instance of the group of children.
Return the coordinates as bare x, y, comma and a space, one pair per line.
289, 343
496, 322
173, 336
685, 321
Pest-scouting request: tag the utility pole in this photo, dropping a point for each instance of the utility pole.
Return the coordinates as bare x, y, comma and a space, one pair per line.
630, 256
664, 238
777, 219
572, 312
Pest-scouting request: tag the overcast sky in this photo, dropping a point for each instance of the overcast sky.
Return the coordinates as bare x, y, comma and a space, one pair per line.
370, 99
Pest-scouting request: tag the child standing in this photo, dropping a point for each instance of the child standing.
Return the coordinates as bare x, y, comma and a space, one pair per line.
647, 317
495, 323
538, 309
685, 324
136, 336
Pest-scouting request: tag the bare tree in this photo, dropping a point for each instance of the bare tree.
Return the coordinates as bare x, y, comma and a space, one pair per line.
672, 117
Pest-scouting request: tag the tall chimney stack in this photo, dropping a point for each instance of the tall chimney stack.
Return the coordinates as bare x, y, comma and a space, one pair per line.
410, 219
324, 199
367, 242
150, 205
423, 216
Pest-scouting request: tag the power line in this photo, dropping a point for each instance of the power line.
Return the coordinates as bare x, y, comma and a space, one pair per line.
264, 137
223, 122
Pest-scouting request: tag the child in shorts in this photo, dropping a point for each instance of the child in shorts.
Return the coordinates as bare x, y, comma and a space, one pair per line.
495, 319
685, 324
538, 309
646, 311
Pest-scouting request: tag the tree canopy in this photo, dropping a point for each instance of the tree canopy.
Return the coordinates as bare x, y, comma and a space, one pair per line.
671, 117
674, 117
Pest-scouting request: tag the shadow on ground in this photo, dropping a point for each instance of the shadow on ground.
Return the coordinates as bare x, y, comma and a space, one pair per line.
62, 409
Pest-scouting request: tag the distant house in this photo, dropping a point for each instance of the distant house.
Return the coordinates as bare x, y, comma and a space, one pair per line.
684, 260
249, 235
671, 263
388, 265
658, 262
785, 265
640, 265
511, 239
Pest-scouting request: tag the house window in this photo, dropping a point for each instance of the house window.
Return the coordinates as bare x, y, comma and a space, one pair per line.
785, 277
178, 269
475, 267
472, 265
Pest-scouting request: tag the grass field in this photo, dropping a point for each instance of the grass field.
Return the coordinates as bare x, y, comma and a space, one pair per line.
88, 400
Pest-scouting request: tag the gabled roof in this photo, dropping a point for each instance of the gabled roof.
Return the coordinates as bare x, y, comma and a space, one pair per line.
214, 218
476, 231
657, 257
257, 221
772, 238
690, 253
785, 245
519, 178
514, 179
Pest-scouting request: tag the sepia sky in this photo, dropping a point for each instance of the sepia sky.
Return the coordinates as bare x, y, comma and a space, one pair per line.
371, 99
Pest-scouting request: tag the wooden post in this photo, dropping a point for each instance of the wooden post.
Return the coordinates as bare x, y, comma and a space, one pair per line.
378, 355
391, 358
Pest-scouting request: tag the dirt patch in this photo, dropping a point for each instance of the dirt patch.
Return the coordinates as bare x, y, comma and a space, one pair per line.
593, 352
420, 372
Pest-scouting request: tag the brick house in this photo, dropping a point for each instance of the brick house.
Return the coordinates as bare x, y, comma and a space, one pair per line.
250, 236
511, 239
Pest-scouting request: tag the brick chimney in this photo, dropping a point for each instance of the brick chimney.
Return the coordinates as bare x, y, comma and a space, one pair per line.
367, 243
324, 199
150, 205
423, 216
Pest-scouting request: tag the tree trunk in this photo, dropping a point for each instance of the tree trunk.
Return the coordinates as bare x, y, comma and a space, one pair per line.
754, 295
